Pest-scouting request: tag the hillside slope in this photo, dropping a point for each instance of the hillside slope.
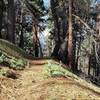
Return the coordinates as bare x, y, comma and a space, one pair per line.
13, 50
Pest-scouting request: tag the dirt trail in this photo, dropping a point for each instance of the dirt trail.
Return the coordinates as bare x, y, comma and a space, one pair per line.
31, 85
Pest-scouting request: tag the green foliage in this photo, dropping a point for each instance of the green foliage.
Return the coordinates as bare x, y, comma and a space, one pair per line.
2, 72
1, 57
55, 70
12, 62
28, 43
17, 63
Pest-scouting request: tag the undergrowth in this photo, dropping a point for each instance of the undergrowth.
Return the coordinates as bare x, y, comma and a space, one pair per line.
2, 72
12, 62
52, 69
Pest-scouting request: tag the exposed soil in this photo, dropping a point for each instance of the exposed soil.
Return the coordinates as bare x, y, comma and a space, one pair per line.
31, 85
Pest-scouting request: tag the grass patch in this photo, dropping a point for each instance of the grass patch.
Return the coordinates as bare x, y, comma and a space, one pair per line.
2, 72
52, 69
12, 62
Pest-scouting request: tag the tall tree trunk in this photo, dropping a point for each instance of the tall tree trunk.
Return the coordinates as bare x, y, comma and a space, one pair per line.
98, 23
36, 43
70, 36
11, 21
89, 66
54, 4
36, 50
55, 51
1, 15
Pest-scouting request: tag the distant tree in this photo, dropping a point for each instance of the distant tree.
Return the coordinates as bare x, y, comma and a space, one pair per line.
11, 21
1, 14
38, 10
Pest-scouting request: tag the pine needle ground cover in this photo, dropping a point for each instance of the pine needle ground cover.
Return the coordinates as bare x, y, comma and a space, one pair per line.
47, 81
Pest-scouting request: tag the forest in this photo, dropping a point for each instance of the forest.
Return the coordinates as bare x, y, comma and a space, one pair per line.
49, 49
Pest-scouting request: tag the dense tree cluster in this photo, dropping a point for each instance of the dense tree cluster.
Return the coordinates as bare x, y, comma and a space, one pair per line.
76, 32
19, 22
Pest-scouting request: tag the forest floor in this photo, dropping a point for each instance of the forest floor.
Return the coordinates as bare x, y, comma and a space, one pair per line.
32, 85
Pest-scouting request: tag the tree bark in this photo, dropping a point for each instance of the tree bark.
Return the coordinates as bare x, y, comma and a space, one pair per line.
1, 15
54, 4
11, 21
70, 36
21, 44
98, 24
36, 43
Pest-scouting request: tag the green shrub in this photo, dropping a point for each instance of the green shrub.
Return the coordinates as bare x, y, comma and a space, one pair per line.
52, 69
17, 63
2, 57
2, 72
12, 62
